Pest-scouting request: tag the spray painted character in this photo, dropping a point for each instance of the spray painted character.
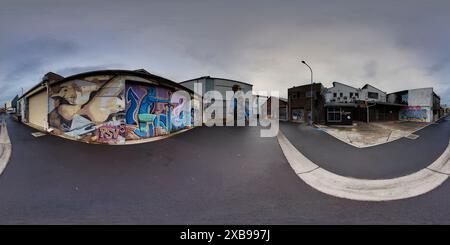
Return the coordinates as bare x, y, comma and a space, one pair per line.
142, 112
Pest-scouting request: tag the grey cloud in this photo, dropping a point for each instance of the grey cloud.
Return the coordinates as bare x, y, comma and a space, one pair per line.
370, 69
68, 71
24, 62
395, 44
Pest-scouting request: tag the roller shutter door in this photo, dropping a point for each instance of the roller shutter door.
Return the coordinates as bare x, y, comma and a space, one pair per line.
38, 109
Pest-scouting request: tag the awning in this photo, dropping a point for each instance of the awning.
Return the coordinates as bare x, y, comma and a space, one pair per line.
340, 105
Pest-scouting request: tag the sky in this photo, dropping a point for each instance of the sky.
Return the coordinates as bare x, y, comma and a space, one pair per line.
393, 45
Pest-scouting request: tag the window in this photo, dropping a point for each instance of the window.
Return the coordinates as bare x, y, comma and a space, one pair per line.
356, 95
334, 114
341, 94
334, 95
351, 94
308, 94
372, 95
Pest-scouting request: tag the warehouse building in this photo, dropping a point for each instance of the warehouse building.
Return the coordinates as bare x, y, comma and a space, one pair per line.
220, 85
299, 103
345, 104
420, 105
266, 103
107, 106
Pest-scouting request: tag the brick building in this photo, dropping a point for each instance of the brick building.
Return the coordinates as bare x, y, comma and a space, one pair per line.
299, 103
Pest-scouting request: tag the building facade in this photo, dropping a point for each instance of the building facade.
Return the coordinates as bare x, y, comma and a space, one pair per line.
108, 106
345, 104
299, 103
283, 109
371, 94
420, 105
341, 93
220, 85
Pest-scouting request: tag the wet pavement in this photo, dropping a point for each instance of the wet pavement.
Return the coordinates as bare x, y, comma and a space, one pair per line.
203, 176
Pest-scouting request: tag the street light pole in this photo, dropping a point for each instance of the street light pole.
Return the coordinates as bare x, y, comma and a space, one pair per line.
304, 62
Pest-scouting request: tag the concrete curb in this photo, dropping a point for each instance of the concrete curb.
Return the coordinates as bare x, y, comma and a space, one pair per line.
5, 146
408, 186
129, 142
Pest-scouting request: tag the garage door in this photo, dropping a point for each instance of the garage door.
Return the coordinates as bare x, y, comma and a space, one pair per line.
38, 107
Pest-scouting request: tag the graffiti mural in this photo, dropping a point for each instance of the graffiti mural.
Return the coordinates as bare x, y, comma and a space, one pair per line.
109, 109
415, 113
112, 132
298, 114
79, 108
149, 111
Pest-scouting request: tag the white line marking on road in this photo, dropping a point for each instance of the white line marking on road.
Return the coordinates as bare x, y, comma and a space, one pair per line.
408, 186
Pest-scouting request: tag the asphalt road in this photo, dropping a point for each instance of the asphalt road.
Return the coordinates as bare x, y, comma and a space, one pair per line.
204, 176
393, 159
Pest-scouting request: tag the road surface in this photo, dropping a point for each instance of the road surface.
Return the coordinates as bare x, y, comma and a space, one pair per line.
216, 175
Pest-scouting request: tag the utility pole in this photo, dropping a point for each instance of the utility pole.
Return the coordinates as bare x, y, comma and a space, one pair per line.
311, 120
367, 106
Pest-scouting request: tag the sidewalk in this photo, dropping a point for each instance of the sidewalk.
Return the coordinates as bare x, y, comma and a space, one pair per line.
366, 135
398, 158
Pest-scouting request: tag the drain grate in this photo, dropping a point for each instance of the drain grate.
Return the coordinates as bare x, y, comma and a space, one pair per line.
412, 136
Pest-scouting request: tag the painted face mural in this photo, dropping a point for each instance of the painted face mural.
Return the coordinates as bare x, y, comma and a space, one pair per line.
87, 109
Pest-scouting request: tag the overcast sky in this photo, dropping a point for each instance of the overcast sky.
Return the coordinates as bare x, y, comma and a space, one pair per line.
393, 45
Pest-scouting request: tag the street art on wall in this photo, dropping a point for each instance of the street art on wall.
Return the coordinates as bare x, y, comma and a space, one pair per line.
298, 114
111, 132
415, 113
111, 110
84, 109
149, 111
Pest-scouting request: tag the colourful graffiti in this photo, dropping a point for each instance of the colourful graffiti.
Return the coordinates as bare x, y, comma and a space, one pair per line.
106, 109
149, 111
415, 113
111, 133
79, 107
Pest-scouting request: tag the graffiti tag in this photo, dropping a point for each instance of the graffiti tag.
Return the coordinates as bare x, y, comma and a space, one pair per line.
111, 133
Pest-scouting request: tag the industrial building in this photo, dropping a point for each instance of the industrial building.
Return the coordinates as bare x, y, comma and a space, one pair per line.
283, 109
107, 106
299, 103
220, 85
343, 104
421, 105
